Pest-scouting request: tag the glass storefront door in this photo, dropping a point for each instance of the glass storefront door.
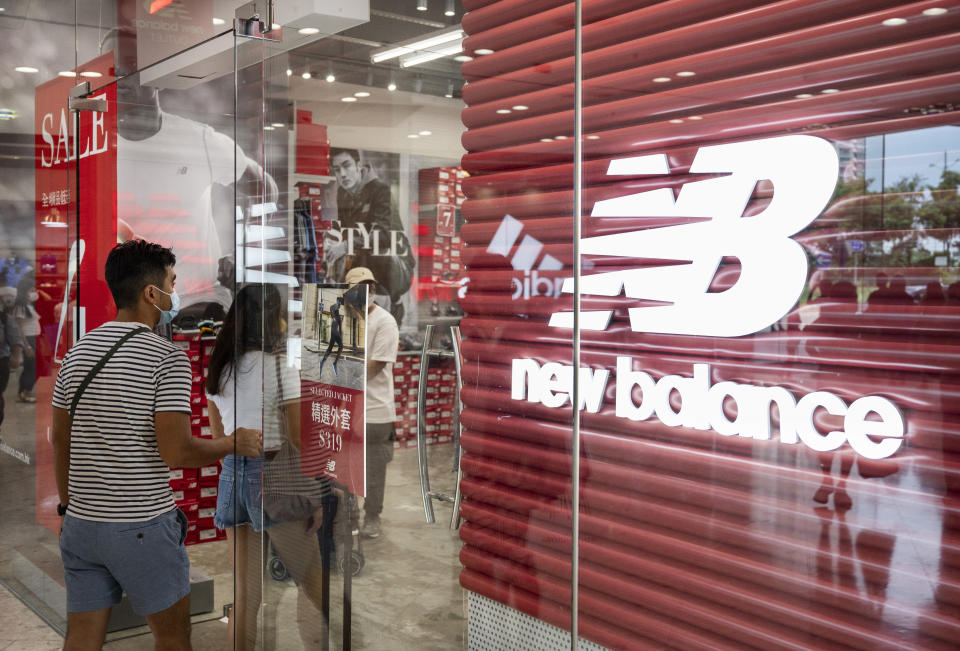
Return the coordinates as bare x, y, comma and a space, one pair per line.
624, 318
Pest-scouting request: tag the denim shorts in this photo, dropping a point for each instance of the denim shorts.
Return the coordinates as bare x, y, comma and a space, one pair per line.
147, 560
240, 494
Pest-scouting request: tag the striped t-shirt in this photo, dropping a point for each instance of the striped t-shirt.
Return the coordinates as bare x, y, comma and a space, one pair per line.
116, 472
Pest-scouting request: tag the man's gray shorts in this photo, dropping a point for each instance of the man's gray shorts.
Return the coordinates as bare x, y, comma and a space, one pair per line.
147, 560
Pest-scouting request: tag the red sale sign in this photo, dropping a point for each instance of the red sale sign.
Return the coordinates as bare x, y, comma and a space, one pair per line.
332, 422
76, 226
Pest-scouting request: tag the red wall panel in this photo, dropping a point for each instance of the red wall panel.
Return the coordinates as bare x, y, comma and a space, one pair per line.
688, 538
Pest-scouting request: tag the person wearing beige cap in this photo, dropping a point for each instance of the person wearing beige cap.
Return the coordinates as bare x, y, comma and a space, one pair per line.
383, 338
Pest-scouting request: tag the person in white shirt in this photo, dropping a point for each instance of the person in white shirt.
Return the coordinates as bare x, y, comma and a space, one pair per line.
250, 385
383, 338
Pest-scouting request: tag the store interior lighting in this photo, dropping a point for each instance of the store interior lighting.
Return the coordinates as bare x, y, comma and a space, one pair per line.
424, 43
422, 5
450, 10
410, 60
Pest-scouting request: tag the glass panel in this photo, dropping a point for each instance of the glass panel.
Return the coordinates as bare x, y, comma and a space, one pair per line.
159, 165
772, 462
37, 203
519, 359
364, 145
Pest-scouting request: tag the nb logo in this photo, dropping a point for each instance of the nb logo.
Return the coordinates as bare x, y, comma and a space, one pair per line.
773, 267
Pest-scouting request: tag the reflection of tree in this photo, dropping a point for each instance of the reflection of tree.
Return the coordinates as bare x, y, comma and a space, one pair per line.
903, 211
943, 211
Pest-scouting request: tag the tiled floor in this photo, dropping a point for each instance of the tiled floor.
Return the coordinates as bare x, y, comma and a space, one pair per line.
406, 597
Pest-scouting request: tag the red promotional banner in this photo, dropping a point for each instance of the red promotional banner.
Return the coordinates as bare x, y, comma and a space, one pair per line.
332, 419
76, 158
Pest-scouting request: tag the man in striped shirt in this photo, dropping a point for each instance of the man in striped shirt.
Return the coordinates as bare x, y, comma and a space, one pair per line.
113, 449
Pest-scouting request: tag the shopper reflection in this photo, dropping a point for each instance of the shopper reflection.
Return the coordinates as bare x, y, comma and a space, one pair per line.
250, 384
933, 294
889, 291
859, 563
841, 499
28, 322
10, 344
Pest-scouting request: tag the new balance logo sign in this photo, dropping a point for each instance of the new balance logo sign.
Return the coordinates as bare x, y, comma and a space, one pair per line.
803, 170
524, 259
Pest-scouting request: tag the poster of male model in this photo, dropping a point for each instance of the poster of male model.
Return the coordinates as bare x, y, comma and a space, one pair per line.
367, 229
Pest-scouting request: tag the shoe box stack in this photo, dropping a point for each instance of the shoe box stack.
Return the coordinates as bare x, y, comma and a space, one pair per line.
439, 401
313, 146
195, 489
440, 264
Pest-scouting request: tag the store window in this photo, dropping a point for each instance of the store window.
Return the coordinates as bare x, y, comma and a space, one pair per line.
754, 204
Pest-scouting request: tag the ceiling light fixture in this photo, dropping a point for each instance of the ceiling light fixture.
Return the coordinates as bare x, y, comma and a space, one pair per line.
27, 69
694, 117
686, 73
330, 78
520, 107
268, 128
412, 135
66, 73
450, 10
934, 11
503, 111
91, 73
560, 138
219, 21
422, 5
289, 72
361, 93
410, 60
830, 91
392, 86
483, 51
348, 99
894, 22
546, 139
661, 80
449, 93
803, 96
413, 45
676, 121
593, 137
278, 125
426, 133
463, 58
306, 75
308, 31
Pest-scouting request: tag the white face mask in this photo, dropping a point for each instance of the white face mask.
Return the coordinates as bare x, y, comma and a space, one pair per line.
166, 316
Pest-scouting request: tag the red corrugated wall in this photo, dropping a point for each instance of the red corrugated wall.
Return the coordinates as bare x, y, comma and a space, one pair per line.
690, 539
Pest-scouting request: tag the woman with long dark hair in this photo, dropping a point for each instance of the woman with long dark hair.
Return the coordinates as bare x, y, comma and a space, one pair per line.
249, 384
28, 321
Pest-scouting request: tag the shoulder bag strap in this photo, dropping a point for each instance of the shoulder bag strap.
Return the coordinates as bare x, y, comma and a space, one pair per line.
99, 366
